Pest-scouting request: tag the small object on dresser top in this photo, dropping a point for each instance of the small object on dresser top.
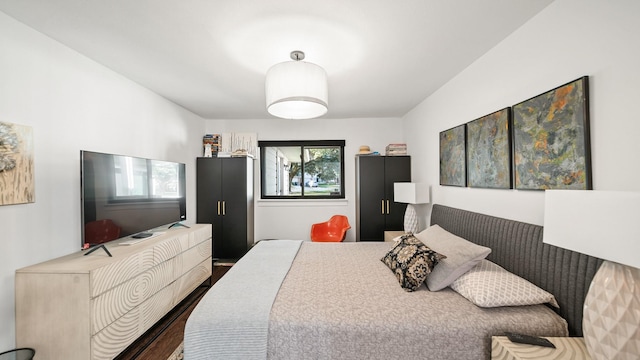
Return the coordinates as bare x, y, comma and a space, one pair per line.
364, 150
207, 150
241, 153
140, 237
133, 241
528, 339
396, 149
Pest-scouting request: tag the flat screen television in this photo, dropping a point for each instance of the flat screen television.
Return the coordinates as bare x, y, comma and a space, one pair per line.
124, 196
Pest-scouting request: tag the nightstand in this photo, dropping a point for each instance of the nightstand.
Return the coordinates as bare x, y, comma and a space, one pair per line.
390, 235
566, 348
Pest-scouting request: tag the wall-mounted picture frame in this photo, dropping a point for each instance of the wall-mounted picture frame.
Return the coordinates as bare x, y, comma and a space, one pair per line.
17, 184
551, 139
453, 157
489, 151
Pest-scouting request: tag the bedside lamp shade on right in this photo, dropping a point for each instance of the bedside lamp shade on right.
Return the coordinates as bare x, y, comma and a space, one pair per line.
410, 193
603, 224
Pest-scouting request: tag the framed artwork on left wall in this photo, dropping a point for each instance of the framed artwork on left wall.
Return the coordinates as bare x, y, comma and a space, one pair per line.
17, 185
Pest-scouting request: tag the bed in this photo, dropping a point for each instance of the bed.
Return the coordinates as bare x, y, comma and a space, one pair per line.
290, 299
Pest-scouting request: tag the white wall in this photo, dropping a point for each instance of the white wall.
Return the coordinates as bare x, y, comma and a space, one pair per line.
293, 219
73, 103
568, 39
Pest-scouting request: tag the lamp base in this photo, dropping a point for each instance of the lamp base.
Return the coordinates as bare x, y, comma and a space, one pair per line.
611, 321
410, 220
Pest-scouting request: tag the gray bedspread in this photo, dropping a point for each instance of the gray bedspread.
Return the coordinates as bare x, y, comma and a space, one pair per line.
339, 301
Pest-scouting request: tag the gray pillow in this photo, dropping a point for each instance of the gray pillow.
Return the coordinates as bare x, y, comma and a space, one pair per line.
462, 255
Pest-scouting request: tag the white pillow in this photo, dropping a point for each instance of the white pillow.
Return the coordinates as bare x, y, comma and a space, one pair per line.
489, 285
462, 255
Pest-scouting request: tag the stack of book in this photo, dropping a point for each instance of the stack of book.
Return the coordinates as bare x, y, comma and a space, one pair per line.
396, 149
212, 144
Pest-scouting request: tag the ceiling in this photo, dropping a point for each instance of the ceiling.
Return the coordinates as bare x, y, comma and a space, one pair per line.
382, 57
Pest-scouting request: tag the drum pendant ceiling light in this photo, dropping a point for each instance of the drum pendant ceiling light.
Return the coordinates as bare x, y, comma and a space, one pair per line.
297, 89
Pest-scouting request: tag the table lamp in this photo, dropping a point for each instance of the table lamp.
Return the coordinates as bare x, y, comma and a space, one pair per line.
603, 224
410, 193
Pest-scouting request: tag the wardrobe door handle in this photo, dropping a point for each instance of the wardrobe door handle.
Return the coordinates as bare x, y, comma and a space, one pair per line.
387, 207
382, 211
218, 207
224, 208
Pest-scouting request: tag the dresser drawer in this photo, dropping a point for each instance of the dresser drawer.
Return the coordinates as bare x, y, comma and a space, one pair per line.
199, 235
195, 256
110, 341
192, 279
108, 307
170, 248
107, 277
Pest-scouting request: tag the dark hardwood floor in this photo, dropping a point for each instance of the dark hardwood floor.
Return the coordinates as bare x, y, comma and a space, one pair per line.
162, 340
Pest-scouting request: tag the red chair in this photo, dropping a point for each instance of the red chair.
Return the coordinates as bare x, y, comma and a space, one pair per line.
333, 230
99, 231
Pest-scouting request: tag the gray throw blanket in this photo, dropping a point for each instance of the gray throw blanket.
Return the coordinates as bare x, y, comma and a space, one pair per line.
228, 324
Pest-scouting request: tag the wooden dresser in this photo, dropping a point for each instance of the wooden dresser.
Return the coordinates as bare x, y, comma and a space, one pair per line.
93, 307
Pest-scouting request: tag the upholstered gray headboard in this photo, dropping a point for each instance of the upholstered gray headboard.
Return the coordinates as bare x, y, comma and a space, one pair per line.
518, 247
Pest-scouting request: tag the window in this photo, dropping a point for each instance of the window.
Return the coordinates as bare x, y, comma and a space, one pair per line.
302, 169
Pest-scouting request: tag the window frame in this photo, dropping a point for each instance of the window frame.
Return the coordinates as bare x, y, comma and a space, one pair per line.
263, 144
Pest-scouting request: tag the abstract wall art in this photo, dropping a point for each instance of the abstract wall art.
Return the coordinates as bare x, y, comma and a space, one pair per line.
489, 151
17, 185
452, 157
551, 139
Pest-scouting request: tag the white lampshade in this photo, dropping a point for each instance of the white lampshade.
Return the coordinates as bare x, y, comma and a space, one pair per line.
297, 90
410, 193
603, 224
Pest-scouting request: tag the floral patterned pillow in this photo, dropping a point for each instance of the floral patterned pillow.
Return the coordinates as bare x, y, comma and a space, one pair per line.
411, 261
